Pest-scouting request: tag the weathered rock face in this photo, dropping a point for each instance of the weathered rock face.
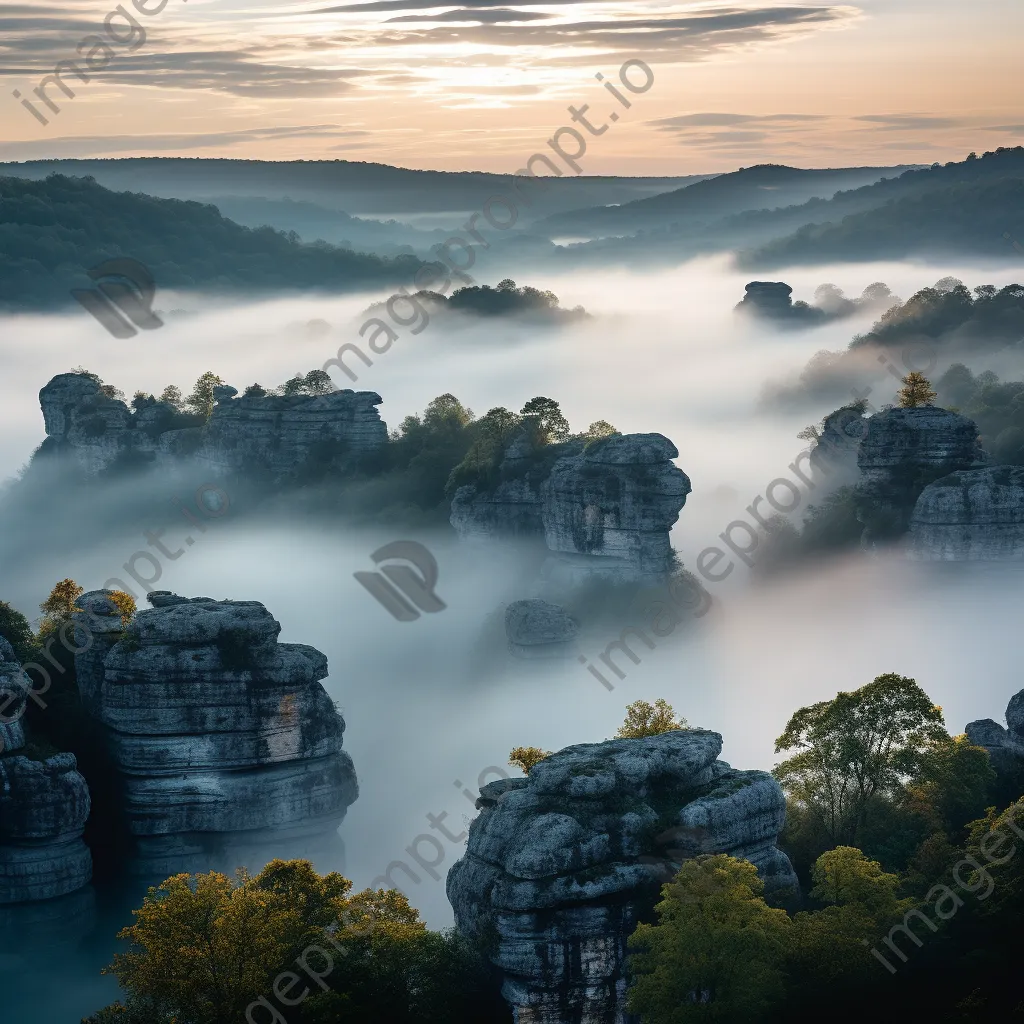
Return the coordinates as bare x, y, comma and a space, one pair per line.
603, 509
540, 629
922, 437
561, 865
224, 738
275, 435
44, 805
281, 434
1005, 746
975, 515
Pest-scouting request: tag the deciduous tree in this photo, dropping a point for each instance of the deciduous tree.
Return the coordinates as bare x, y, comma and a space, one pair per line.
858, 745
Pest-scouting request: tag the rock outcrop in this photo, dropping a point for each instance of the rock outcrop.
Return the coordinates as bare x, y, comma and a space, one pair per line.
270, 434
923, 437
604, 508
540, 629
224, 739
773, 300
561, 865
44, 804
1004, 745
974, 515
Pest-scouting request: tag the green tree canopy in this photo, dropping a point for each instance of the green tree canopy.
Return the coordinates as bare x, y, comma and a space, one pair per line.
858, 745
545, 414
15, 629
717, 952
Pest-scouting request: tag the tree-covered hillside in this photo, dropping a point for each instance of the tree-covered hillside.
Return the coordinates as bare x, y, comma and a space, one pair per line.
53, 231
966, 218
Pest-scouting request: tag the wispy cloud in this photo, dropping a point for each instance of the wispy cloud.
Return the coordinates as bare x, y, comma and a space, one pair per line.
92, 145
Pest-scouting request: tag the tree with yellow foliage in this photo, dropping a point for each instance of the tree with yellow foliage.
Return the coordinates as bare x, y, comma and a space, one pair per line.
916, 391
205, 948
526, 757
643, 719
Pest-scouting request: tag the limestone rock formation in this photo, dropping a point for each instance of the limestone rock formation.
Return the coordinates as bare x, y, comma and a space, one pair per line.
224, 738
44, 804
925, 437
272, 434
773, 300
603, 508
974, 515
540, 629
560, 865
1005, 746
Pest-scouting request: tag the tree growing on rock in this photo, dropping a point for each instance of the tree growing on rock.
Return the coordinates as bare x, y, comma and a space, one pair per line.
172, 396
643, 719
916, 391
526, 757
201, 402
59, 606
545, 415
597, 431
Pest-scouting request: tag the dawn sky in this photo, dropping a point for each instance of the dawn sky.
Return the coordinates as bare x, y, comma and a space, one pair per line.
482, 84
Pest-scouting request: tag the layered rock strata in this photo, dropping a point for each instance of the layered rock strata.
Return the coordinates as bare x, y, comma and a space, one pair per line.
603, 508
975, 515
923, 437
224, 739
271, 434
44, 804
561, 865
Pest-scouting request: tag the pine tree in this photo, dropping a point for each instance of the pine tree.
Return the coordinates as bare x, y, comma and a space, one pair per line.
916, 391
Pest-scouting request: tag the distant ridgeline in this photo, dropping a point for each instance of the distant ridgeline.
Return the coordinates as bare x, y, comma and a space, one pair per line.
52, 231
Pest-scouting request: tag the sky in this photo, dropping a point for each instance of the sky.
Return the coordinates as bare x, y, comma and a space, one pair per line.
482, 84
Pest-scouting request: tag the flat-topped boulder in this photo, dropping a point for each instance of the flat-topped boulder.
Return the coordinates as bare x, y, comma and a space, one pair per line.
540, 629
223, 736
561, 865
972, 515
922, 437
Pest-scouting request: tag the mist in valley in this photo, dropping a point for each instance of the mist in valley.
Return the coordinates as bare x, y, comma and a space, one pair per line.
434, 706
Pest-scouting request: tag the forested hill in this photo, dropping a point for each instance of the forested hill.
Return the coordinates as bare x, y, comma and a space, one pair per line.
969, 218
52, 231
365, 189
